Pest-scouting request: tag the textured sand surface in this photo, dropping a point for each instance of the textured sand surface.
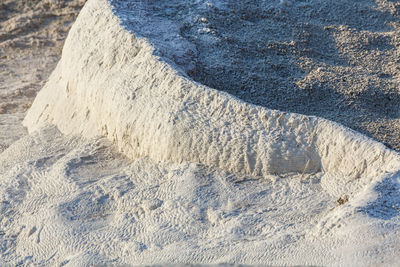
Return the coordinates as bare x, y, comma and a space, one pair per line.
78, 202
129, 161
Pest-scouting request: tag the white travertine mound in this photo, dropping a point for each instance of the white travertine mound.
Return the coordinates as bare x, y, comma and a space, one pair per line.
271, 187
110, 83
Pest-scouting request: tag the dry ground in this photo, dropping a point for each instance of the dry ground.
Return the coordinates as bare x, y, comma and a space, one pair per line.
32, 34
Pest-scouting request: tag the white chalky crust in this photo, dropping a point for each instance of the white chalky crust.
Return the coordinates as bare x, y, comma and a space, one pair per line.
264, 192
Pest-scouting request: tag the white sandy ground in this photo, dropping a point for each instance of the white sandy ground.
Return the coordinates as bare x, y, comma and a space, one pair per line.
79, 202
184, 173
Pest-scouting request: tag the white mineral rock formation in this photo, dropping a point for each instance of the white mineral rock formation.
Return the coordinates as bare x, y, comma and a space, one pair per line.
109, 83
210, 178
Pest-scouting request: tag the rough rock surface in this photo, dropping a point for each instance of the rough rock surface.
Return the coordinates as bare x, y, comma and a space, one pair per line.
333, 59
200, 175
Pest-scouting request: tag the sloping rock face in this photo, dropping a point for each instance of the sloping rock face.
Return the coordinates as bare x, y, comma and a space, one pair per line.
333, 59
111, 83
200, 177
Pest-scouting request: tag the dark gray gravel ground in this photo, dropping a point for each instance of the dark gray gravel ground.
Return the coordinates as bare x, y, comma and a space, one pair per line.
336, 59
